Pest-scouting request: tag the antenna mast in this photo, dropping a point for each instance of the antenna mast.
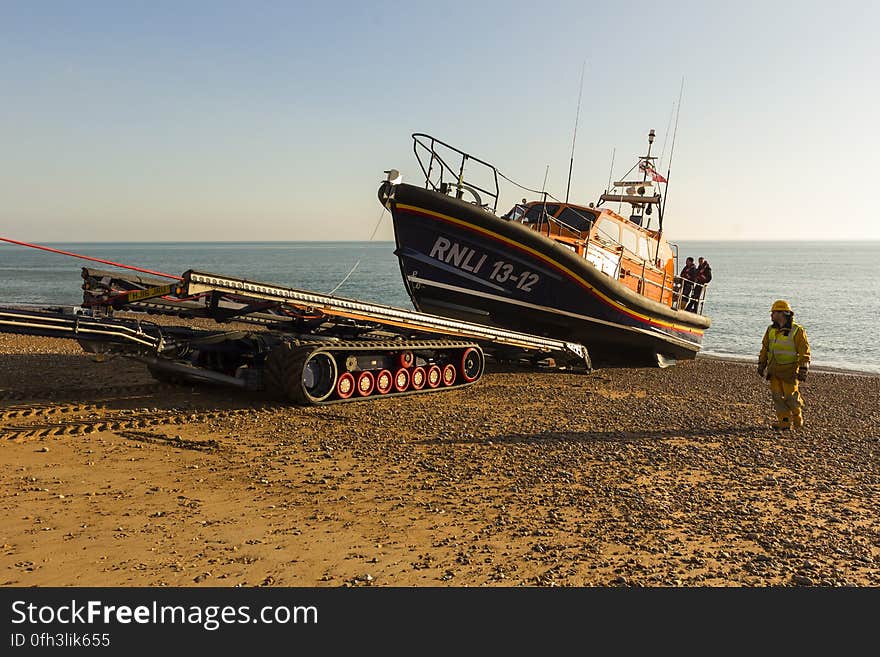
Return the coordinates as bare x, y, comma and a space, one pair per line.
611, 169
671, 151
669, 166
574, 137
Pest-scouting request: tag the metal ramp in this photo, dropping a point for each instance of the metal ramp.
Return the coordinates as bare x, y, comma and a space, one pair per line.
339, 313
312, 315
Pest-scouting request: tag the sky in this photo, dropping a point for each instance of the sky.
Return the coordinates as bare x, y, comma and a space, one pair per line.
240, 121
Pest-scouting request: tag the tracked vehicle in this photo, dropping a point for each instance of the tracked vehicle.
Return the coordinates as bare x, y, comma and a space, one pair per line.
304, 348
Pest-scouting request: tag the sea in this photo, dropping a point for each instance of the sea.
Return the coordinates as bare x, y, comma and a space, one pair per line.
833, 287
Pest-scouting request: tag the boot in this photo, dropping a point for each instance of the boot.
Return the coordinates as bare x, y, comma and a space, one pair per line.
783, 422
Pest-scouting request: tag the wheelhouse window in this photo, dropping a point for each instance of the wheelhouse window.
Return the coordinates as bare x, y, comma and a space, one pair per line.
630, 241
608, 229
515, 213
579, 220
644, 248
536, 214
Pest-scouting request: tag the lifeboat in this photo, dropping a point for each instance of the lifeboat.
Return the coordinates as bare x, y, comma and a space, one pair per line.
583, 273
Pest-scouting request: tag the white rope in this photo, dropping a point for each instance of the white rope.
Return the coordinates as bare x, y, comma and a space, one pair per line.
346, 277
351, 271
378, 223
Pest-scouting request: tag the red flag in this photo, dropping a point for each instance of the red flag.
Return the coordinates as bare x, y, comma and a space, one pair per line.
648, 168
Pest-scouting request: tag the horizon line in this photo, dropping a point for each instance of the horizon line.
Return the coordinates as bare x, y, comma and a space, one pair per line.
391, 241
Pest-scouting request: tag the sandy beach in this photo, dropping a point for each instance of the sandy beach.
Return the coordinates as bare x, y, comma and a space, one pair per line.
623, 477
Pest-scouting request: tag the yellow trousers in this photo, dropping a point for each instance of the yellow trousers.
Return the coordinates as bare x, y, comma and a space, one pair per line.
786, 399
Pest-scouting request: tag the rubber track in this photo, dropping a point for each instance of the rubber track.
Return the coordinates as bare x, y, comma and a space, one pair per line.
281, 371
397, 345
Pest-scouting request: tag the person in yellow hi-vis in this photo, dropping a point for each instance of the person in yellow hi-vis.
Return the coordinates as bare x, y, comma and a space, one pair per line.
785, 358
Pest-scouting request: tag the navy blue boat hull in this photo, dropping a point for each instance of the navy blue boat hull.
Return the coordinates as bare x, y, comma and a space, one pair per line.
458, 260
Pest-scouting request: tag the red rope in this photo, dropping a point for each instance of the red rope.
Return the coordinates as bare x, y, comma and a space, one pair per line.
77, 255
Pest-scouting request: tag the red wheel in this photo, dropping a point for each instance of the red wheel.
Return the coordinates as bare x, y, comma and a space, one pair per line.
365, 383
434, 376
471, 365
418, 378
345, 386
406, 359
384, 382
448, 374
401, 379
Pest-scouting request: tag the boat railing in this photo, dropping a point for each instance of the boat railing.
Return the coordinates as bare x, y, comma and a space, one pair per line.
683, 297
564, 226
606, 242
665, 285
668, 290
444, 165
689, 295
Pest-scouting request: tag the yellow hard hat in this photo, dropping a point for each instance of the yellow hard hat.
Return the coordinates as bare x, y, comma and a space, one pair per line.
781, 304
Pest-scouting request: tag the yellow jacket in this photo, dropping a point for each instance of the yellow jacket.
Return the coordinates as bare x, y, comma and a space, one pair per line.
785, 370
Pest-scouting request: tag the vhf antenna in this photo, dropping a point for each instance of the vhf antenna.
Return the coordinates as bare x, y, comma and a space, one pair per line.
574, 137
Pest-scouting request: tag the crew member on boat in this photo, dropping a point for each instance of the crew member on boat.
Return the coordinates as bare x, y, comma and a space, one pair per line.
785, 359
688, 276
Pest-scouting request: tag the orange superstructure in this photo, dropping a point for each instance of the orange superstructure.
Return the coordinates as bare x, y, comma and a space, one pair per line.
638, 257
